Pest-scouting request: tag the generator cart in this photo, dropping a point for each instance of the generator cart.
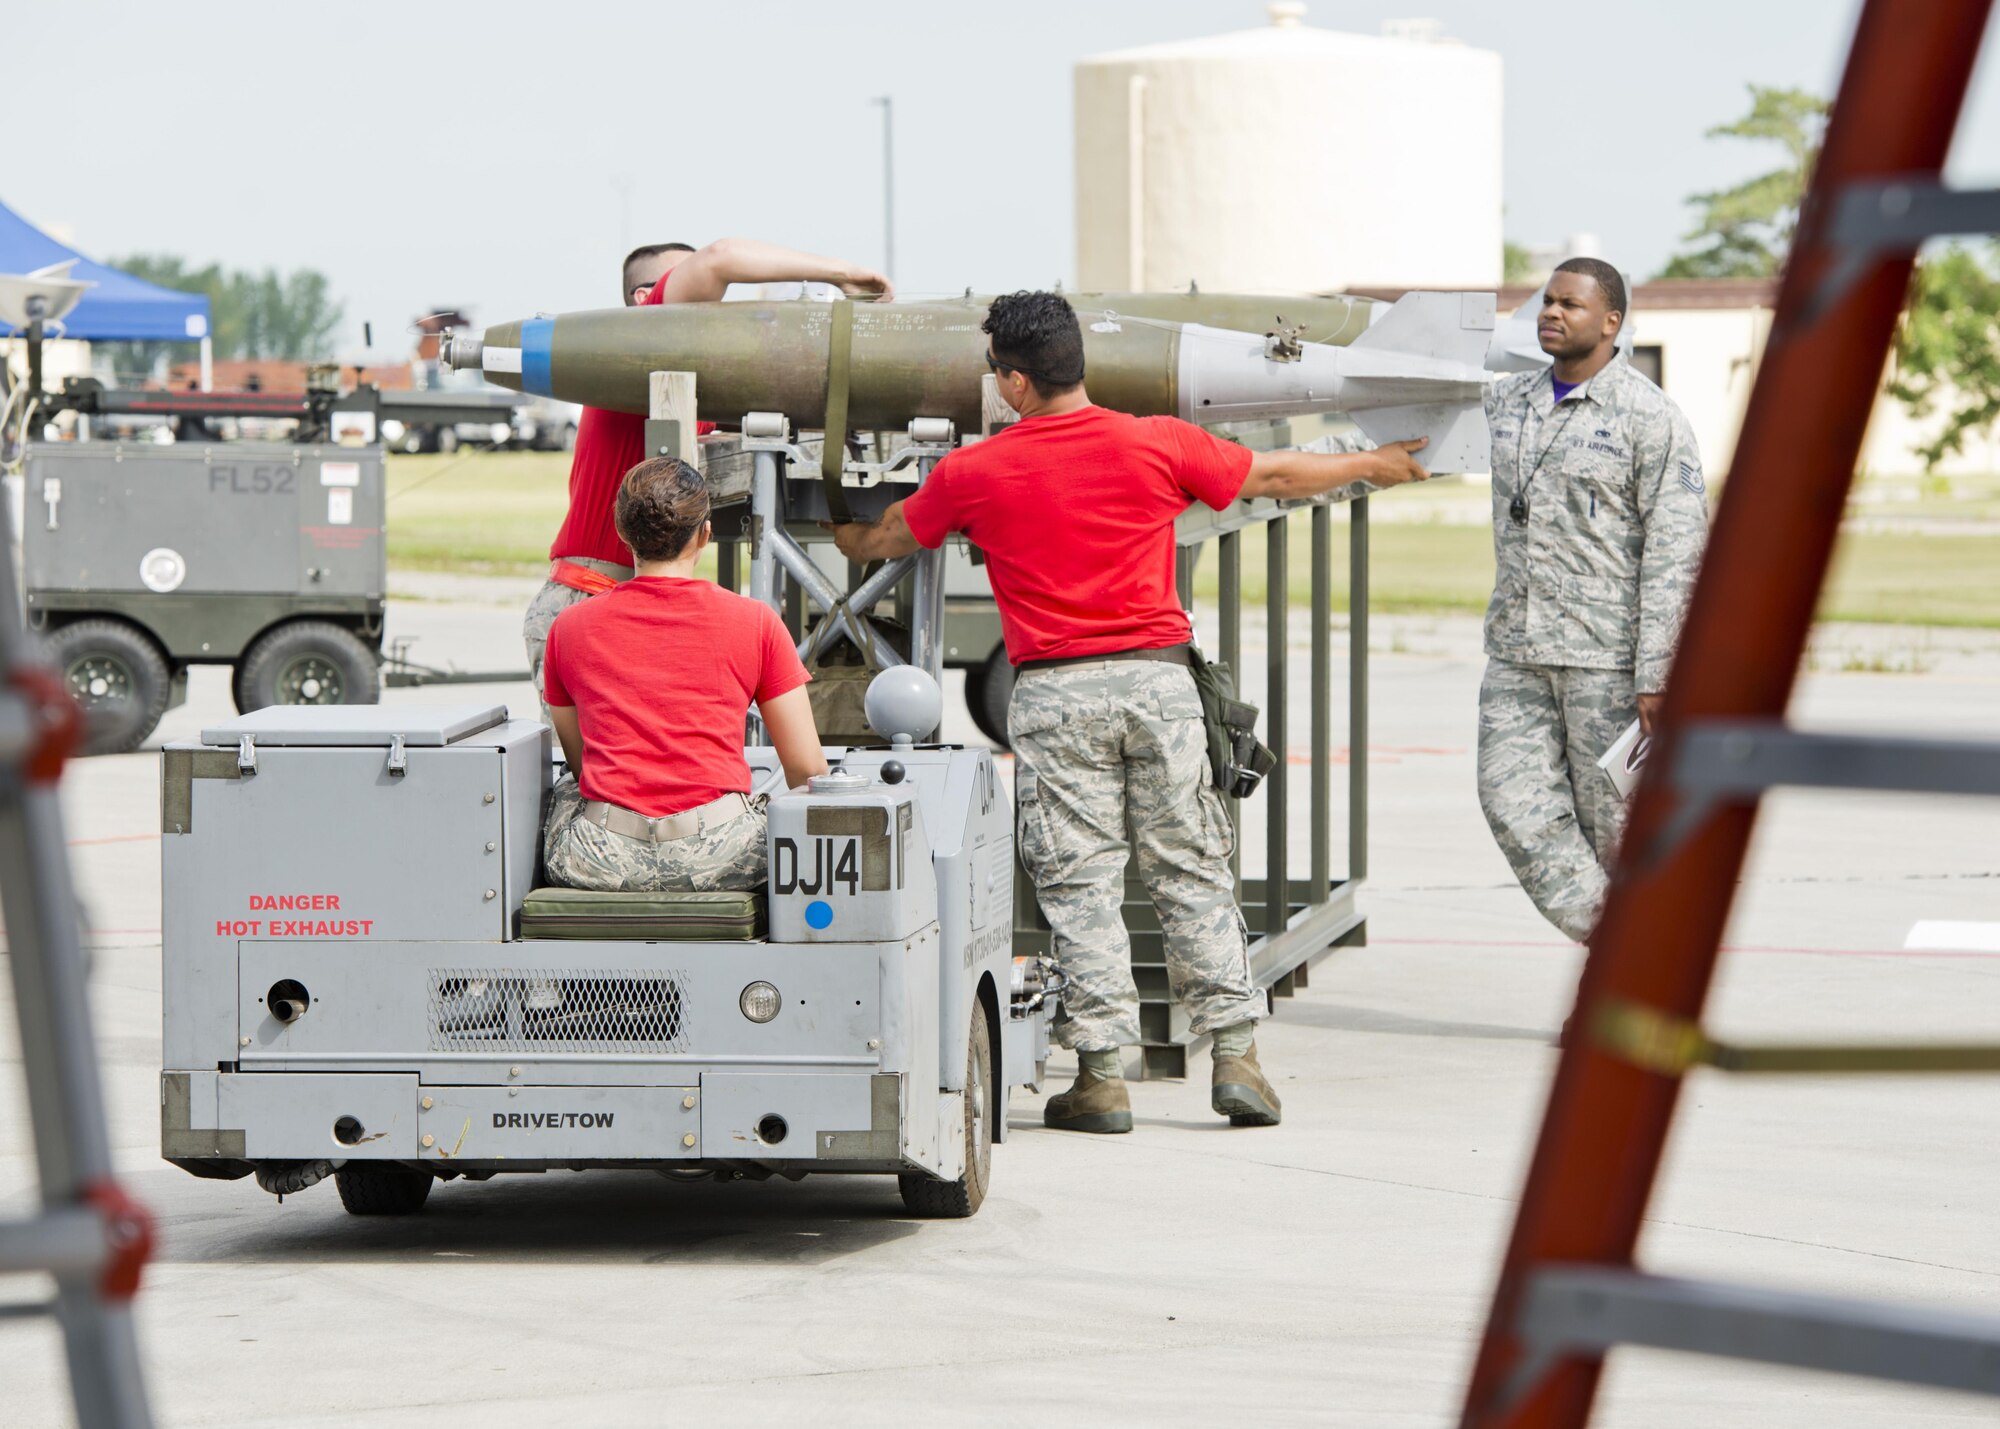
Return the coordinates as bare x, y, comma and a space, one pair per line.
143, 560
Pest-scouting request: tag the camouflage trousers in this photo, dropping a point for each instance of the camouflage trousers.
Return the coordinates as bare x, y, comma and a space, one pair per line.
1554, 813
579, 854
549, 602
1112, 760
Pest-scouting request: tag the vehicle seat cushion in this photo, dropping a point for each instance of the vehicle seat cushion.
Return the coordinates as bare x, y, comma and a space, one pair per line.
652, 917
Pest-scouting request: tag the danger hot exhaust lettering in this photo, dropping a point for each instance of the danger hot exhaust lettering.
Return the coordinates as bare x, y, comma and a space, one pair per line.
294, 927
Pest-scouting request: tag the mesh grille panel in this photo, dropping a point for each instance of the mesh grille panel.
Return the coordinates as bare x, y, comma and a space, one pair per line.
572, 1010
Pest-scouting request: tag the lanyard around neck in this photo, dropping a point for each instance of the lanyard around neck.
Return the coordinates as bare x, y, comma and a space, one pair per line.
1521, 483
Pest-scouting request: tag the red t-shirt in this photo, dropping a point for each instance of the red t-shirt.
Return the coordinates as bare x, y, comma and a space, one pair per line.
608, 444
662, 671
1076, 516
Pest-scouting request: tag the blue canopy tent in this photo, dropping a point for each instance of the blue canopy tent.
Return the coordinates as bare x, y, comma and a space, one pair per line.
121, 308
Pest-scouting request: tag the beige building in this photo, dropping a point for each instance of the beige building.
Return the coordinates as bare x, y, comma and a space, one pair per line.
1701, 339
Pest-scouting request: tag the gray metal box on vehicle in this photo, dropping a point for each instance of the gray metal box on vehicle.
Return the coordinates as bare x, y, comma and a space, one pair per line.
236, 518
311, 832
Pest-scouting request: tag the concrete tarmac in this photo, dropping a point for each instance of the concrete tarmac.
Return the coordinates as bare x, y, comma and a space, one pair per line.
1333, 1270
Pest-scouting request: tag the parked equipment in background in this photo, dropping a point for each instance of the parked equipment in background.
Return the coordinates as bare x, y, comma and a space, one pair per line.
399, 418
141, 561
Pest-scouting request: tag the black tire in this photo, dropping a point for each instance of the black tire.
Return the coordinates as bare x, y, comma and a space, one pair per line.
119, 677
307, 662
933, 1199
568, 442
369, 1188
989, 689
446, 441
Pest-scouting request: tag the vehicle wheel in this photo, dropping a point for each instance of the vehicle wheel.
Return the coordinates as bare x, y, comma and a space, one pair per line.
118, 676
447, 441
411, 443
569, 436
368, 1188
989, 689
954, 1200
308, 662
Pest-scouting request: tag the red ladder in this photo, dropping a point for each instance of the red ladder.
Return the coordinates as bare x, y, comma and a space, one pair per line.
1568, 1289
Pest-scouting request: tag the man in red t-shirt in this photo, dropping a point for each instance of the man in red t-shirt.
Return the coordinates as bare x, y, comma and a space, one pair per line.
1074, 507
587, 555
647, 687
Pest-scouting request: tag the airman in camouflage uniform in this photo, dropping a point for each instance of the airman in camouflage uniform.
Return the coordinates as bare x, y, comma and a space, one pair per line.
1075, 508
550, 601
1599, 518
580, 854
1100, 746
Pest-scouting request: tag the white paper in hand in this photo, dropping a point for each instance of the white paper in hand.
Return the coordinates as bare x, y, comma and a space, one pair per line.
1625, 758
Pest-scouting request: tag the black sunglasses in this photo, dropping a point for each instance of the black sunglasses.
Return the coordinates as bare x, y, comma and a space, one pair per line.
998, 366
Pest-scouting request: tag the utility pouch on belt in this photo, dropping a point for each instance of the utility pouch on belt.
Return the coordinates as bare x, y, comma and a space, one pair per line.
1237, 759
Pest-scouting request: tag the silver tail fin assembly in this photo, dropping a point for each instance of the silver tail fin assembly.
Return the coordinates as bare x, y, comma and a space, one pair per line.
1419, 371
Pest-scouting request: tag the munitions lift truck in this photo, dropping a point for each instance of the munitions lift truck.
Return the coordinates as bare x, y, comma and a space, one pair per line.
363, 980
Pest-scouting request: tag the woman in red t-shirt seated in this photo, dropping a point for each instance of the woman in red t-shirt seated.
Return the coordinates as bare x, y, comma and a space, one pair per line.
647, 687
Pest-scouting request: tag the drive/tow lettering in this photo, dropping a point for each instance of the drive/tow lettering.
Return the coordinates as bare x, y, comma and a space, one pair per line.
549, 1120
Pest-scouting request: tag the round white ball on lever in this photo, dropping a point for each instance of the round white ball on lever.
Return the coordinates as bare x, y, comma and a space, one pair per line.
903, 704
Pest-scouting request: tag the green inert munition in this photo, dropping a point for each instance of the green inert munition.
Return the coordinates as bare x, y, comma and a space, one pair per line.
1416, 370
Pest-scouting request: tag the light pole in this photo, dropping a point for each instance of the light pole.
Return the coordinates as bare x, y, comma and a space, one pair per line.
888, 186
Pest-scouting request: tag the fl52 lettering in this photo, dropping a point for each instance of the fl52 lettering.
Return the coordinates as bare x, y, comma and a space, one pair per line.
236, 480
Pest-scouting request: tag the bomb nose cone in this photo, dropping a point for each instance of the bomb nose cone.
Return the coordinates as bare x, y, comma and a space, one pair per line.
459, 349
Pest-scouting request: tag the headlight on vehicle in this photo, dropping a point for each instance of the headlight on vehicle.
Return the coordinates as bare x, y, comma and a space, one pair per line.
760, 1002
392, 430
500, 432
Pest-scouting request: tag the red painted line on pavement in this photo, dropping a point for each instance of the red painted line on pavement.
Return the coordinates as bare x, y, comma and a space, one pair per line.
106, 933
1377, 753
1728, 948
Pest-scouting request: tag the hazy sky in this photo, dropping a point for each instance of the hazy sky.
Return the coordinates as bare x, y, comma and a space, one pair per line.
503, 156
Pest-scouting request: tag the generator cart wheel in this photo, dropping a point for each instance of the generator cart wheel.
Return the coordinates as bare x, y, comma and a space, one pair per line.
369, 1188
308, 662
989, 689
119, 678
954, 1200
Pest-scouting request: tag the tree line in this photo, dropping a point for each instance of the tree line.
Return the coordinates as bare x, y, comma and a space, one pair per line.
1947, 358
250, 314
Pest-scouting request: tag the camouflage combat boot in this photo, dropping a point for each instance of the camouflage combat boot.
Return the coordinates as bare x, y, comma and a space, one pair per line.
1092, 1103
1240, 1092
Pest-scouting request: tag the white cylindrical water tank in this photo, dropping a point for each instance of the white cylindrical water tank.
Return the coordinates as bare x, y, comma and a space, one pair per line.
1289, 159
